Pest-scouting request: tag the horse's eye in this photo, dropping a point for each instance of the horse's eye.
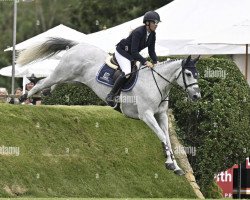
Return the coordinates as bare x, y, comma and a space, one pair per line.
188, 74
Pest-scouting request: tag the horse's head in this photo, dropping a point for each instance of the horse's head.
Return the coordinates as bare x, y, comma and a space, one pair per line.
188, 78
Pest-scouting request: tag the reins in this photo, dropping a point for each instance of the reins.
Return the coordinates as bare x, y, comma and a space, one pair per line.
166, 98
140, 68
153, 71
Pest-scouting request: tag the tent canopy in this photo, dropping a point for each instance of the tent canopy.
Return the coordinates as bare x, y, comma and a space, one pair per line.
45, 67
58, 31
237, 34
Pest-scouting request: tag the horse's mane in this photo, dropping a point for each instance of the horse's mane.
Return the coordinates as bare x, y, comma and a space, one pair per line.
167, 62
164, 65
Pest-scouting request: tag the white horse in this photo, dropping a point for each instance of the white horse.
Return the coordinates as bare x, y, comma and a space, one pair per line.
146, 101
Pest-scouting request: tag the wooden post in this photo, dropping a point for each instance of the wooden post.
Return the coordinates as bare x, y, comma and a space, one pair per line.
246, 72
14, 48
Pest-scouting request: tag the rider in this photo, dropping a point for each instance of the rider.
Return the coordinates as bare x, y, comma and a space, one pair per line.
128, 49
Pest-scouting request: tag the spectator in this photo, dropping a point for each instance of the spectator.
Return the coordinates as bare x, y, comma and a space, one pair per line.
4, 96
29, 86
18, 94
35, 100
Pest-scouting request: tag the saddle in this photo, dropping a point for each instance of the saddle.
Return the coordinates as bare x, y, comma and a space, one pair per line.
112, 62
111, 70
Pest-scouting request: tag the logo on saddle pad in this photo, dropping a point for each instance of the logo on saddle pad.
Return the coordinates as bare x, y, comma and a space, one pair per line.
106, 76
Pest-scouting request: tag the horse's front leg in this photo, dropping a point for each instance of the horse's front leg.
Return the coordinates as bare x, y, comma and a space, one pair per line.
162, 120
148, 117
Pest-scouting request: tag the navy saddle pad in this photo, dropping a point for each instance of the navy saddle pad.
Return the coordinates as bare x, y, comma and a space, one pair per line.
105, 76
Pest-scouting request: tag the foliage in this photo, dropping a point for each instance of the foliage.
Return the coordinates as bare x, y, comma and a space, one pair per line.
110, 12
213, 191
72, 94
89, 151
4, 82
218, 124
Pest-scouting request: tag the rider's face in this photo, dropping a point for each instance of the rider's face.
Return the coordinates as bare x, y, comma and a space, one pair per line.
153, 25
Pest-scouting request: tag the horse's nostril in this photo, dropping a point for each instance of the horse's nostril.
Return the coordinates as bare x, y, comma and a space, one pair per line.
196, 96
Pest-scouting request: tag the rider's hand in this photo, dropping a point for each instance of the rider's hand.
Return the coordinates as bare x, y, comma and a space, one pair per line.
149, 64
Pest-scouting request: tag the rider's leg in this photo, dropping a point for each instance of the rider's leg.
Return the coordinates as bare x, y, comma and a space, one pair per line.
124, 63
126, 68
118, 84
110, 99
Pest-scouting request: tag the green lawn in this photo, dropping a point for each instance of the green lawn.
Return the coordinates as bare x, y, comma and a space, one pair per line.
88, 151
96, 199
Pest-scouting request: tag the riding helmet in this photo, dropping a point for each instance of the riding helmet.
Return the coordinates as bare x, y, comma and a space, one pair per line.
151, 16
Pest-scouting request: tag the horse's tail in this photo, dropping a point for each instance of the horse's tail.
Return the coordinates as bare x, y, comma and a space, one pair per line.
44, 50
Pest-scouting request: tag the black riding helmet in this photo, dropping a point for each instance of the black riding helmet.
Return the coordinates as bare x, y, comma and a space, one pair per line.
33, 79
151, 16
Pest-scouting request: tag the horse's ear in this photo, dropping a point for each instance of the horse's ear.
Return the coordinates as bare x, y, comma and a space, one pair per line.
196, 59
188, 59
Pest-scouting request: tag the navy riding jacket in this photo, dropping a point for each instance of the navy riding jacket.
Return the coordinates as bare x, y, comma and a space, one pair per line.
135, 42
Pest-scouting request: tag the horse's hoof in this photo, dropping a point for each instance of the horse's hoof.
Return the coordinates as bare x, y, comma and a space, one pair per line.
179, 172
170, 166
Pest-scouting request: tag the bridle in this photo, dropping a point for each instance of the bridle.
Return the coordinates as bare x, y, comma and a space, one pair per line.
183, 67
184, 78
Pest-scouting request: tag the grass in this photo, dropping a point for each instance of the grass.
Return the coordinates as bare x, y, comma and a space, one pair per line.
105, 199
95, 199
85, 152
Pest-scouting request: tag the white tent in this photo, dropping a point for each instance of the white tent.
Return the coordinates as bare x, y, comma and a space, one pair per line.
58, 31
189, 19
45, 67
237, 34
186, 20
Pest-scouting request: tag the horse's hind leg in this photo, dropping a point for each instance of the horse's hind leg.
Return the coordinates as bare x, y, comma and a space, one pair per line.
42, 84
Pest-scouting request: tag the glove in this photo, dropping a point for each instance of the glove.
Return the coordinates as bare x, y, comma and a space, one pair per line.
149, 64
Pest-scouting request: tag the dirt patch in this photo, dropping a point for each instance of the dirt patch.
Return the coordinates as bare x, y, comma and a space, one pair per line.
15, 190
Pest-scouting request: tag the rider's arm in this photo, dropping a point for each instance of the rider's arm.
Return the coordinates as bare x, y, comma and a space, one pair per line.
151, 50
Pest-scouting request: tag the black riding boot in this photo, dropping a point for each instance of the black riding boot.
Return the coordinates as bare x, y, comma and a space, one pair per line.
110, 99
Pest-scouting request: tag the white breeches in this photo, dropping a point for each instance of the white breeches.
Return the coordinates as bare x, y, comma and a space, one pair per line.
124, 63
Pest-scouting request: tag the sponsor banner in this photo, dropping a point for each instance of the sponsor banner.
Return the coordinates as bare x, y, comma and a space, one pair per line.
225, 180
